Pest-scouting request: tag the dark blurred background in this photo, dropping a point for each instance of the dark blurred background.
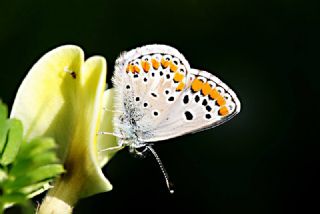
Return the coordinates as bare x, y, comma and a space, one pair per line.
263, 161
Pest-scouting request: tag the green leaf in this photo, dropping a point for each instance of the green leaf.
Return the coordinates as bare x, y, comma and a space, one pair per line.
3, 175
26, 168
4, 128
32, 155
30, 163
14, 141
36, 189
37, 175
13, 198
35, 147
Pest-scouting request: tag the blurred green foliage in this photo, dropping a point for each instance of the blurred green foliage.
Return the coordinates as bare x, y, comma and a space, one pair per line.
26, 168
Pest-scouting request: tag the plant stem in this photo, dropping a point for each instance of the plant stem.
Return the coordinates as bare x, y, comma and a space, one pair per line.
53, 205
61, 198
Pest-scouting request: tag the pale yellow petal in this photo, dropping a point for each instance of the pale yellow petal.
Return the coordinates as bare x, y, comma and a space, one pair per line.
61, 97
107, 141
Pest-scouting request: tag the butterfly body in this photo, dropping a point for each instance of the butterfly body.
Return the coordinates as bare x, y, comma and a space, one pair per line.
158, 97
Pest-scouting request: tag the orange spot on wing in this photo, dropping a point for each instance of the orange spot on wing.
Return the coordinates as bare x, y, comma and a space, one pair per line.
155, 64
145, 65
173, 67
129, 68
197, 85
223, 111
178, 77
214, 94
136, 69
206, 89
221, 101
180, 86
164, 63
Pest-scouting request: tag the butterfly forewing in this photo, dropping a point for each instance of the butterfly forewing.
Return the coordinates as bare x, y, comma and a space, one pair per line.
162, 97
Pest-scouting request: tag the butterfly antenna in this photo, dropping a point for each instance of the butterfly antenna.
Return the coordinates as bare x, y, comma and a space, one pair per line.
110, 133
164, 172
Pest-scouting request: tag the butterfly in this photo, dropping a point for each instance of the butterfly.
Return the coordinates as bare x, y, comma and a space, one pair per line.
158, 96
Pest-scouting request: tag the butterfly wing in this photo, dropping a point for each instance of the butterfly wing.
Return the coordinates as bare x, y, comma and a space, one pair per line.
204, 103
165, 98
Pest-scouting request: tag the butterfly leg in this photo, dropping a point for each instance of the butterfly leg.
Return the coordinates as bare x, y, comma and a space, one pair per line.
139, 152
113, 148
110, 133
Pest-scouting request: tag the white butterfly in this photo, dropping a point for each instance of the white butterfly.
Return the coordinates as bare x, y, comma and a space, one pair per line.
158, 97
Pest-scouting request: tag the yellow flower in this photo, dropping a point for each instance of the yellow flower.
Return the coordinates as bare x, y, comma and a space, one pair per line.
63, 97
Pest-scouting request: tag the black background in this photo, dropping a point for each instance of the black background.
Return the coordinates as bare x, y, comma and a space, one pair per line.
262, 161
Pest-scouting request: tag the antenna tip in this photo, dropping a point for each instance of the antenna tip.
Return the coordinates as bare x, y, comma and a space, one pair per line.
171, 191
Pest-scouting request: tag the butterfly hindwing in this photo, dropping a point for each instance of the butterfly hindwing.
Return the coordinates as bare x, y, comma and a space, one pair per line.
206, 102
